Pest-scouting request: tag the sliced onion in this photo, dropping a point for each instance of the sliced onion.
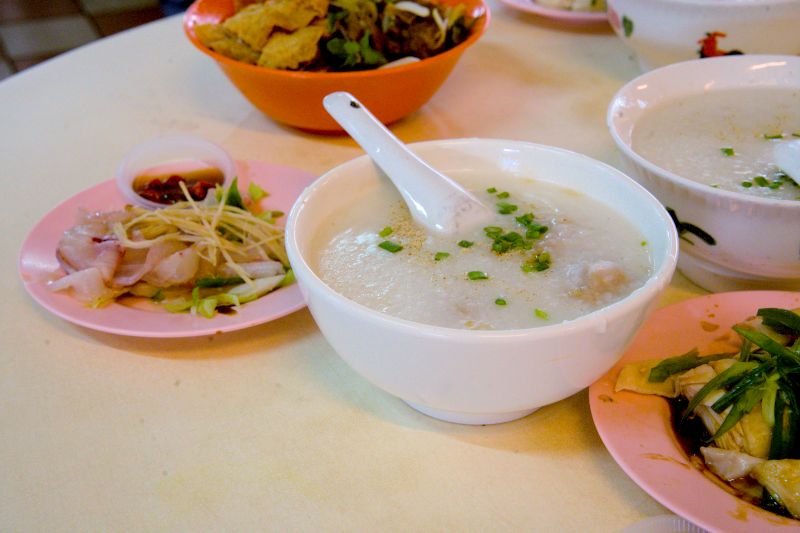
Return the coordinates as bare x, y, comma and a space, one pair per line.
413, 7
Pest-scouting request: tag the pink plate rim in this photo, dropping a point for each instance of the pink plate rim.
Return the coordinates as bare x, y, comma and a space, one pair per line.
561, 15
37, 263
637, 430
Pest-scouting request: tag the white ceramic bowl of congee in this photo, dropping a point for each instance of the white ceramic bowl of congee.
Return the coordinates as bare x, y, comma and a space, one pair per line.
431, 319
698, 135
661, 32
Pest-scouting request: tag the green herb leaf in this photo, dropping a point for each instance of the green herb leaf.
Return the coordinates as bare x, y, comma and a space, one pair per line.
232, 196
773, 135
728, 152
369, 55
541, 314
750, 379
500, 301
743, 405
781, 320
768, 401
207, 283
768, 344
385, 232
681, 363
728, 377
465, 244
787, 420
441, 255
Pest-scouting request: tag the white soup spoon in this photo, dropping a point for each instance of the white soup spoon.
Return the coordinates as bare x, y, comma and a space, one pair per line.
436, 202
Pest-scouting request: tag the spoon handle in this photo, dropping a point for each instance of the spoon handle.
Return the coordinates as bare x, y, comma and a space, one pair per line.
435, 201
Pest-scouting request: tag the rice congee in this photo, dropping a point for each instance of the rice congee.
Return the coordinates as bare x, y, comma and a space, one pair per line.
724, 139
552, 254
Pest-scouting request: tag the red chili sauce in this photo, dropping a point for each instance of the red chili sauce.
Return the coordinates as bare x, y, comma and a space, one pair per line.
165, 189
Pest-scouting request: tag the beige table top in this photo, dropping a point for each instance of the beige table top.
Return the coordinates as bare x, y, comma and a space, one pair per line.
266, 428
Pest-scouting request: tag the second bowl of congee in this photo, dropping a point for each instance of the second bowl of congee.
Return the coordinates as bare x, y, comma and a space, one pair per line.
701, 136
487, 325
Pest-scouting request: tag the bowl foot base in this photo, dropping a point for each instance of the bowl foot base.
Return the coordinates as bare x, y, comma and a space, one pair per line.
475, 419
715, 278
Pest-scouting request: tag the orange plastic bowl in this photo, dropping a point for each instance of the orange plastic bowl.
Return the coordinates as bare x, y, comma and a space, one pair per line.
295, 98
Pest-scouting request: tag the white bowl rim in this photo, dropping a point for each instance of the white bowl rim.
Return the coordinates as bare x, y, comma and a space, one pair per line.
598, 318
180, 142
720, 3
625, 147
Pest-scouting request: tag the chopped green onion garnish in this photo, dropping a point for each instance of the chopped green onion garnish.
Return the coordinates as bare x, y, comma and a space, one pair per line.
390, 246
505, 208
537, 263
500, 301
385, 232
541, 314
207, 283
207, 307
441, 255
643, 243
288, 279
773, 135
493, 231
503, 195
747, 184
465, 244
533, 230
270, 216
491, 190
761, 181
477, 274
727, 151
795, 134
255, 192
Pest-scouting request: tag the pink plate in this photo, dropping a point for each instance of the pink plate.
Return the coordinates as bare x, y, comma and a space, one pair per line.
560, 15
637, 429
37, 263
